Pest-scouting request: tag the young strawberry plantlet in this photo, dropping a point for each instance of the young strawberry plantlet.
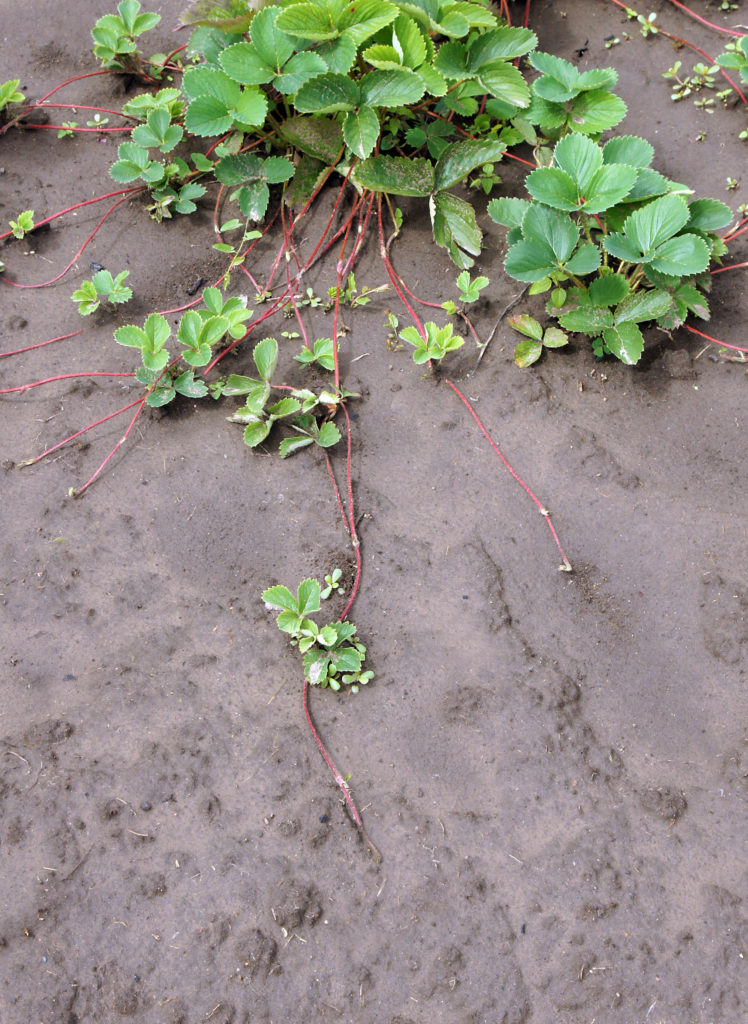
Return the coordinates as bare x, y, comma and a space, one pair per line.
333, 655
102, 287
434, 344
24, 225
602, 211
114, 38
322, 353
9, 93
469, 291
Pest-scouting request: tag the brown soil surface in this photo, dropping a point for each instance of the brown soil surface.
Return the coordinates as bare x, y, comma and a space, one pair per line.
553, 766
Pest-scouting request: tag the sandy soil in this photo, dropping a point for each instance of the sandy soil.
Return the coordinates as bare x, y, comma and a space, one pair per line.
553, 766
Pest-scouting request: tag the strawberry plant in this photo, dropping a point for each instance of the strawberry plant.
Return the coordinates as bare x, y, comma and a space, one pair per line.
333, 654
9, 93
601, 213
381, 99
433, 343
115, 36
24, 225
102, 286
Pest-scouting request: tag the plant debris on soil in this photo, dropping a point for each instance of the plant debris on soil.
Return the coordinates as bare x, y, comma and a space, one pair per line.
553, 766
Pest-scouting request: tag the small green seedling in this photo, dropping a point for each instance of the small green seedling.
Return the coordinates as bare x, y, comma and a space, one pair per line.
150, 339
486, 179
295, 407
66, 131
732, 184
528, 352
705, 103
648, 27
102, 286
24, 225
325, 434
333, 655
234, 310
437, 343
332, 581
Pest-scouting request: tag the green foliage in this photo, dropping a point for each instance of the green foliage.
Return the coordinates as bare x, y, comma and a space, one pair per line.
349, 294
529, 351
170, 183
470, 289
322, 353
253, 175
9, 93
24, 225
435, 345
333, 654
102, 286
735, 57
567, 100
332, 581
297, 408
602, 211
114, 37
141, 106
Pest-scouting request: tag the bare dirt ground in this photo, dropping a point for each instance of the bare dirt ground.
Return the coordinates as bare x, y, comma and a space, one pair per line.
553, 766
